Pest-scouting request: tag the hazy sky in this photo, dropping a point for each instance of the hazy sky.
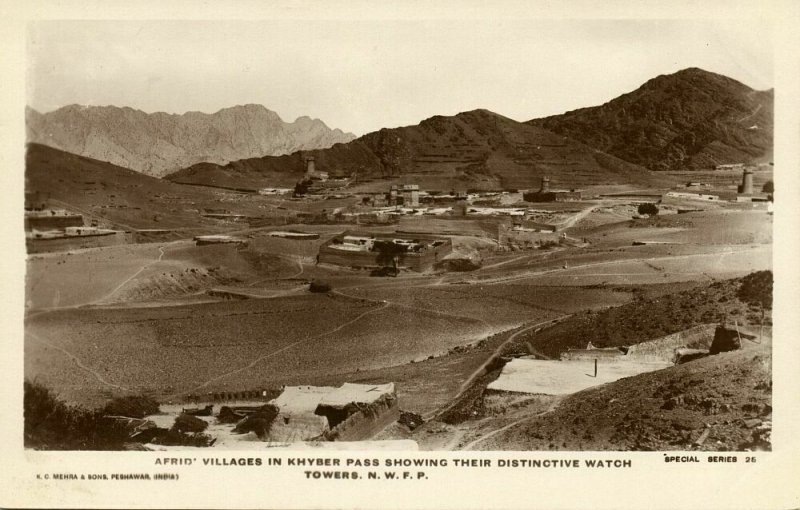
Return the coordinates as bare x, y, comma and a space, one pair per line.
363, 75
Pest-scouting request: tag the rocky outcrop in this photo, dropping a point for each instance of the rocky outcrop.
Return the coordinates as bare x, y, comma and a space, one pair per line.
160, 143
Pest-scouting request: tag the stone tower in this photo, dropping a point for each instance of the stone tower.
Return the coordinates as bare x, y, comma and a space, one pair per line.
746, 187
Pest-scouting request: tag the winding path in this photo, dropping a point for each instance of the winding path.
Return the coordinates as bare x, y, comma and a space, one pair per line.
131, 277
481, 369
282, 349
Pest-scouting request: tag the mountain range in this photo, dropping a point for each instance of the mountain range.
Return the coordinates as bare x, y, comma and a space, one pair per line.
688, 120
478, 149
691, 119
159, 143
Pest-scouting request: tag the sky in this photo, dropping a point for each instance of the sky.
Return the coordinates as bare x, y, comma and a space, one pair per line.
360, 76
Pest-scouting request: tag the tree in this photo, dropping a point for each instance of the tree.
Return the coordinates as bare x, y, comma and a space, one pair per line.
50, 424
133, 406
389, 254
319, 286
756, 289
648, 208
301, 188
769, 187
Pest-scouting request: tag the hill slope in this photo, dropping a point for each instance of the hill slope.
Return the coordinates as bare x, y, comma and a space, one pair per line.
665, 409
659, 411
646, 318
690, 119
477, 149
122, 196
158, 143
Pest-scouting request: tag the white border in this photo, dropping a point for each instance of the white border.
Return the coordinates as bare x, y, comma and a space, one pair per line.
771, 483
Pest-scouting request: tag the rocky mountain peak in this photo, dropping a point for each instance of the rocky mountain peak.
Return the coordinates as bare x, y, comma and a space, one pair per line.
159, 143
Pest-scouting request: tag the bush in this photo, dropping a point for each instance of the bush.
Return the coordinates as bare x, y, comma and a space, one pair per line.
648, 208
172, 437
301, 188
319, 286
259, 422
50, 424
188, 423
769, 187
756, 288
134, 406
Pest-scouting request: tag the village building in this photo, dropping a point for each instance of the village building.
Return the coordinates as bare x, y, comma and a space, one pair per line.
274, 191
545, 194
364, 250
746, 187
691, 196
729, 166
405, 194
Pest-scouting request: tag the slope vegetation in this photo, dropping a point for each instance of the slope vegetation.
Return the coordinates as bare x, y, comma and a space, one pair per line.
691, 119
648, 318
475, 149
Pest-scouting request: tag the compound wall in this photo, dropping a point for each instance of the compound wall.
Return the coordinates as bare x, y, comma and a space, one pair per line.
53, 222
663, 349
76, 242
416, 261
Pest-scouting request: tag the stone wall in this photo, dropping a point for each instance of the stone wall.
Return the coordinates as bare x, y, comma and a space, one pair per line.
53, 222
297, 427
77, 242
592, 354
369, 422
369, 259
663, 349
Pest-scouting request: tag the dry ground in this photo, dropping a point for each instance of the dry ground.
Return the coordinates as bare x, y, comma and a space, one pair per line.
718, 393
369, 330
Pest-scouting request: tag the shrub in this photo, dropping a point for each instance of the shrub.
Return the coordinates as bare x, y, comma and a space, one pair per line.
174, 437
301, 188
756, 288
319, 286
188, 423
259, 422
769, 187
133, 406
50, 424
648, 208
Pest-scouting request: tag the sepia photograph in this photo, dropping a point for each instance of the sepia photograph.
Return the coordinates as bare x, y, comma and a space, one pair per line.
396, 245
231, 250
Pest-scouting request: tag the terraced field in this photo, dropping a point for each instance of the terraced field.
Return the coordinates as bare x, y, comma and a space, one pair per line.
175, 350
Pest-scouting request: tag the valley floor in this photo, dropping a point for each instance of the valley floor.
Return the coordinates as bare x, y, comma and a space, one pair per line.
157, 318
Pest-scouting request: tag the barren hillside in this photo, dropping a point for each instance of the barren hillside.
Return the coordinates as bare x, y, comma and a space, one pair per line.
691, 119
648, 318
729, 394
123, 196
475, 149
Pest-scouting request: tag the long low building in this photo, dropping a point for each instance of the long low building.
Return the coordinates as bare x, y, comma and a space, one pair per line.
364, 250
352, 412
